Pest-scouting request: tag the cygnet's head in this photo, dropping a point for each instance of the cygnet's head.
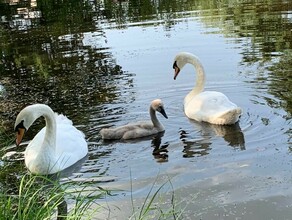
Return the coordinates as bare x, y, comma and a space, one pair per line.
157, 105
180, 60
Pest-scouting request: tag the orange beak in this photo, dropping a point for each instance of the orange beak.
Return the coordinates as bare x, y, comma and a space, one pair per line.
19, 135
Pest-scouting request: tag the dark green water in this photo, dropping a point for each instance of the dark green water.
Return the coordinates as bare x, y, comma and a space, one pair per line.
102, 62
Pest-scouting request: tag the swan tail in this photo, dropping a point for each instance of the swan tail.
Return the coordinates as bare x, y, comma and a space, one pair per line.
230, 117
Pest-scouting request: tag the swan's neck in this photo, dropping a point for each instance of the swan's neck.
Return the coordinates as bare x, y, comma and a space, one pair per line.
49, 142
154, 120
50, 135
200, 79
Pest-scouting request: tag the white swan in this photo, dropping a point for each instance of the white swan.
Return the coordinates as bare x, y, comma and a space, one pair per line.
137, 129
55, 147
209, 106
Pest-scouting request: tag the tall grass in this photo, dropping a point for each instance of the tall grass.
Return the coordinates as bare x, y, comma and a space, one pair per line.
24, 196
154, 204
39, 197
5, 138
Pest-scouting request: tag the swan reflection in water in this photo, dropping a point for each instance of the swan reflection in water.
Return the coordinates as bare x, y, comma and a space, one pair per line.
232, 134
160, 152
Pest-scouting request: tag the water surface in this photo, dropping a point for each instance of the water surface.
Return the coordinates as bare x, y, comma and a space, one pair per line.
101, 64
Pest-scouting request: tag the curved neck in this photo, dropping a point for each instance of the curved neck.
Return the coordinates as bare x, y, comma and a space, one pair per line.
50, 136
200, 79
154, 119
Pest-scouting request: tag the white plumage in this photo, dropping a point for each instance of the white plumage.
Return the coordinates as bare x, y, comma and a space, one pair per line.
56, 146
208, 106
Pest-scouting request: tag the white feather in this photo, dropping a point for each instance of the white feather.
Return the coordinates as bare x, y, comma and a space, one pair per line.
56, 146
208, 106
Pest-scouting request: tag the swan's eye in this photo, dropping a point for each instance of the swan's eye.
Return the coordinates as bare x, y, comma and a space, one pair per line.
158, 109
174, 65
20, 125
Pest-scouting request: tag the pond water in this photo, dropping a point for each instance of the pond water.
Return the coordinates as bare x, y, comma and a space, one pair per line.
101, 63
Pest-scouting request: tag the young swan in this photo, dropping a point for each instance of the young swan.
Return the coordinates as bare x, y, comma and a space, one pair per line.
55, 147
137, 129
208, 106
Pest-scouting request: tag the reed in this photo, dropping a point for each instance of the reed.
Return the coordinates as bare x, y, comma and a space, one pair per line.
156, 206
25, 196
40, 197
5, 138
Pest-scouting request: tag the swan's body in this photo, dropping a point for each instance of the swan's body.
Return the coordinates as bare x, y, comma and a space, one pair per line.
137, 129
55, 147
208, 106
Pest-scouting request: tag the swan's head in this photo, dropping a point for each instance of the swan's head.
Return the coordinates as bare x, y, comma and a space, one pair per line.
157, 105
25, 118
180, 60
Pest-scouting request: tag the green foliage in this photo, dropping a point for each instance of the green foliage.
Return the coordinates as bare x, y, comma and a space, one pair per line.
5, 138
155, 205
281, 81
40, 197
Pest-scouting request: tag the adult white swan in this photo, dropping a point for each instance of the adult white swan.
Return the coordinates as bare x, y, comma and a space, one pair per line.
55, 147
138, 129
208, 106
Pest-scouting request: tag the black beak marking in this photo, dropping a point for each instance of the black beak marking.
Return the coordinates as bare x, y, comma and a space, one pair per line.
162, 111
174, 65
20, 125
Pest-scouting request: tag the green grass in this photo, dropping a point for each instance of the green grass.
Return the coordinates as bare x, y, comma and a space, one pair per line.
24, 196
5, 138
152, 208
39, 197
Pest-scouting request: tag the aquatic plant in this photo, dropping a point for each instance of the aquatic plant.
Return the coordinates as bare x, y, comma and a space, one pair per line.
156, 206
40, 197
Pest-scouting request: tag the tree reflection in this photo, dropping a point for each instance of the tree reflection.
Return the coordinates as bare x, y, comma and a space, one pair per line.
281, 83
263, 28
45, 58
49, 61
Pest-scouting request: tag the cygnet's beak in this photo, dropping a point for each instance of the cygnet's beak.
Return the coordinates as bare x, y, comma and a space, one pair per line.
19, 135
162, 111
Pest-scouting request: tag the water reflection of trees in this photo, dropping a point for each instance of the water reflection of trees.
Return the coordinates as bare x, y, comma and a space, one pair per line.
123, 13
281, 84
49, 62
264, 30
48, 45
